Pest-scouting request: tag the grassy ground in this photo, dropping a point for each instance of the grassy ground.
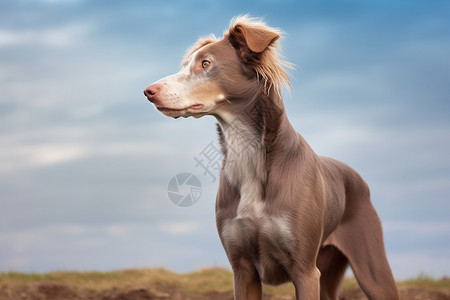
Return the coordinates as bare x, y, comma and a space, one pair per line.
159, 283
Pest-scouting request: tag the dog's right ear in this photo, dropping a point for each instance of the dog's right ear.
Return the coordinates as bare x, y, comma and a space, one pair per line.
249, 36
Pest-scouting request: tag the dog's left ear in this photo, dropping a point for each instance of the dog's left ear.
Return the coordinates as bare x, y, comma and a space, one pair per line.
255, 37
256, 47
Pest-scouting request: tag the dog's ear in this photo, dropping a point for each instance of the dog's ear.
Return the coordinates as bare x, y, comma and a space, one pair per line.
256, 47
253, 36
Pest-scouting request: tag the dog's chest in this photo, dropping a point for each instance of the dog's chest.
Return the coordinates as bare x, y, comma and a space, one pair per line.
265, 242
255, 232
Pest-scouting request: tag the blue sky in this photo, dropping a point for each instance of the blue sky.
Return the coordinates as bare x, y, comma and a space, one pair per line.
85, 160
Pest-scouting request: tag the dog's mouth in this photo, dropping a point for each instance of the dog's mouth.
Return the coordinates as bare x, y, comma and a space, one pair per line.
195, 110
168, 109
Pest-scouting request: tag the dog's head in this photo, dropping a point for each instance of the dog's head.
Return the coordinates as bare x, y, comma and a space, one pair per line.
219, 72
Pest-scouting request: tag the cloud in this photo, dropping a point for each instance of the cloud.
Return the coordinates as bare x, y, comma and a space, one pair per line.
417, 228
21, 156
25, 240
128, 244
65, 36
179, 228
20, 241
118, 230
40, 155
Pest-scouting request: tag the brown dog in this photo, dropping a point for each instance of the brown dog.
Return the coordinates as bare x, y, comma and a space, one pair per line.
283, 213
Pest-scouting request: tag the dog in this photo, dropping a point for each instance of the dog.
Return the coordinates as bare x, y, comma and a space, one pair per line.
283, 213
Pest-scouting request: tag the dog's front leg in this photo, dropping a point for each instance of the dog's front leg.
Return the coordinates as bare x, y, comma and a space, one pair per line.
247, 285
307, 285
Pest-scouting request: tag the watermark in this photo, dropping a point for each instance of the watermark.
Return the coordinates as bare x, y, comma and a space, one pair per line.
210, 160
211, 157
184, 189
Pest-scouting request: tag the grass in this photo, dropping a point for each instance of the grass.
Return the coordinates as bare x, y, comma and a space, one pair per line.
202, 281
425, 281
198, 282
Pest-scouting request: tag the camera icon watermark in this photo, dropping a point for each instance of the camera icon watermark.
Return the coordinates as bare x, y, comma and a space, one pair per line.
184, 189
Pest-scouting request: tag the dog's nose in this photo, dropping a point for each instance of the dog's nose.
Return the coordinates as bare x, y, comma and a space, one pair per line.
151, 91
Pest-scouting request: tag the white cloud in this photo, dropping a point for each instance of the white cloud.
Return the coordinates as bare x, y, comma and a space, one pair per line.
87, 111
135, 148
24, 240
19, 241
178, 228
63, 36
118, 230
44, 146
346, 131
24, 157
52, 154
418, 228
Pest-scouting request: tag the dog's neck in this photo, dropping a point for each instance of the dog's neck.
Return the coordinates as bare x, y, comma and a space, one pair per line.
250, 138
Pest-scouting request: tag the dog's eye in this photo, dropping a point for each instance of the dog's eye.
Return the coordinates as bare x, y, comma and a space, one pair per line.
205, 64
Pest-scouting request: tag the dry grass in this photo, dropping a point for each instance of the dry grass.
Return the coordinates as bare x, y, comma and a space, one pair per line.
425, 281
202, 281
199, 282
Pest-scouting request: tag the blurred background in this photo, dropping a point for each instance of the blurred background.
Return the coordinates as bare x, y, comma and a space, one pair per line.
85, 160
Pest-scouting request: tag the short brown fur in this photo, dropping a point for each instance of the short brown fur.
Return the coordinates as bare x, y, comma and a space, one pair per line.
283, 213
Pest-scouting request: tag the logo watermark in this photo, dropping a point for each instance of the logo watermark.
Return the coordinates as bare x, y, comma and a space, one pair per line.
184, 189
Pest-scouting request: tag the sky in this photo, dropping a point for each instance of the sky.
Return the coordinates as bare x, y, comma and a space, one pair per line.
86, 162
